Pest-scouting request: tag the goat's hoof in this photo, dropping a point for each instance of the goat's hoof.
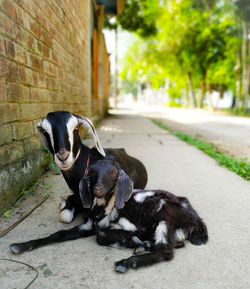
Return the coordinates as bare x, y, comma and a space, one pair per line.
179, 245
120, 268
147, 245
139, 250
16, 249
66, 216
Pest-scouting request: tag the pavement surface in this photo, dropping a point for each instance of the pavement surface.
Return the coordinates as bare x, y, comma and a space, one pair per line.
228, 133
221, 198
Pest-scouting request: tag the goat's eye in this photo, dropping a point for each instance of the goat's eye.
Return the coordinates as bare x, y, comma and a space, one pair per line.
41, 130
76, 128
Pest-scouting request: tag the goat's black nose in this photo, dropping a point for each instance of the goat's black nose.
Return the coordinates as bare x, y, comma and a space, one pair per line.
62, 155
99, 190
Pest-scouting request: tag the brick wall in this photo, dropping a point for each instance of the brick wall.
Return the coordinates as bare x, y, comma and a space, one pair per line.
45, 65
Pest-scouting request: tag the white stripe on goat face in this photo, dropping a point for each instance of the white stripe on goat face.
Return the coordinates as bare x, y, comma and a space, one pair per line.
45, 124
161, 233
71, 125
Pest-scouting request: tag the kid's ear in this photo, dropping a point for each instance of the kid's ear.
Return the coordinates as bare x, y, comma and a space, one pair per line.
84, 191
123, 189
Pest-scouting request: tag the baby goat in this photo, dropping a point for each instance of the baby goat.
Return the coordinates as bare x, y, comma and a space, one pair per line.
152, 220
59, 133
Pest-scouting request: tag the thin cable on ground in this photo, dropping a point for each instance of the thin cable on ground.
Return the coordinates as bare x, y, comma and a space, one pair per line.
28, 265
4, 232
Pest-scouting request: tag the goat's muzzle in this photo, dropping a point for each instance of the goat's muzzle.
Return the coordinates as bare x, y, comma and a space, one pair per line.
99, 191
62, 155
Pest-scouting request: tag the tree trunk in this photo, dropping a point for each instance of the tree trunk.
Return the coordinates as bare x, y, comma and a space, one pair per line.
245, 66
238, 80
116, 71
209, 96
203, 93
186, 98
190, 86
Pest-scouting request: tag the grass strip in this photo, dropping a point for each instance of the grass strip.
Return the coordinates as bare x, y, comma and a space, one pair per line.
240, 167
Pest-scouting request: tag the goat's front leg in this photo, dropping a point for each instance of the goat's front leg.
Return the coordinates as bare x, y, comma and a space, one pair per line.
162, 250
84, 230
69, 208
126, 239
159, 254
116, 236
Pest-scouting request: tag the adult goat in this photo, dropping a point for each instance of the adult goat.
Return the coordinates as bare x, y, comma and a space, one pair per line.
59, 133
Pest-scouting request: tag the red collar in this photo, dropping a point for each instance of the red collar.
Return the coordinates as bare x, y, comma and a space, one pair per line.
87, 165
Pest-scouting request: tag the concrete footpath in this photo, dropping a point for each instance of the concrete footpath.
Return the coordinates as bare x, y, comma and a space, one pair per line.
221, 197
230, 134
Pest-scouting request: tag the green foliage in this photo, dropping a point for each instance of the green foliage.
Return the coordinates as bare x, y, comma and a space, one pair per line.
7, 214
138, 16
195, 37
31, 191
173, 103
240, 167
128, 86
47, 160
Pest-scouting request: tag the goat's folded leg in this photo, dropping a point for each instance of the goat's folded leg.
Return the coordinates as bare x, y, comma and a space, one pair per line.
84, 230
160, 253
127, 239
141, 247
69, 208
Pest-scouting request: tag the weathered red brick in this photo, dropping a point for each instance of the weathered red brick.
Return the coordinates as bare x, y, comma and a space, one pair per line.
21, 75
49, 68
9, 48
2, 50
9, 112
6, 134
7, 26
9, 8
10, 153
2, 90
12, 73
35, 28
22, 130
20, 54
43, 50
17, 93
39, 95
35, 62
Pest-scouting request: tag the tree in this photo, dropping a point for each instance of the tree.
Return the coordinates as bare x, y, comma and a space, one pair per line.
196, 40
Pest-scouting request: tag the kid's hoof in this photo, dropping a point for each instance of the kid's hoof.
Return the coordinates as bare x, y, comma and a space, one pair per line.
120, 268
139, 250
147, 245
15, 248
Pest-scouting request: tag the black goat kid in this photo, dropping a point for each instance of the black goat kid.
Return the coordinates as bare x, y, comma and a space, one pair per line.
59, 133
152, 220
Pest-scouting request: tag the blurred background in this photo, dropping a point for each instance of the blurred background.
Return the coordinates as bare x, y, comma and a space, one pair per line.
192, 53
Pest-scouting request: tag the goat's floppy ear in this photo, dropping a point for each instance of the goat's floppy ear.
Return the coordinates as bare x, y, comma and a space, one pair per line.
123, 189
84, 191
43, 137
89, 125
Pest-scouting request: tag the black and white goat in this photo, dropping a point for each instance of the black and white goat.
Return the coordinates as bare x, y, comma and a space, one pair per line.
152, 220
59, 133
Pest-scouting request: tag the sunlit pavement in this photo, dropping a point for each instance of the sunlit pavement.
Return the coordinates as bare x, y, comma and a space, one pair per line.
221, 197
229, 133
